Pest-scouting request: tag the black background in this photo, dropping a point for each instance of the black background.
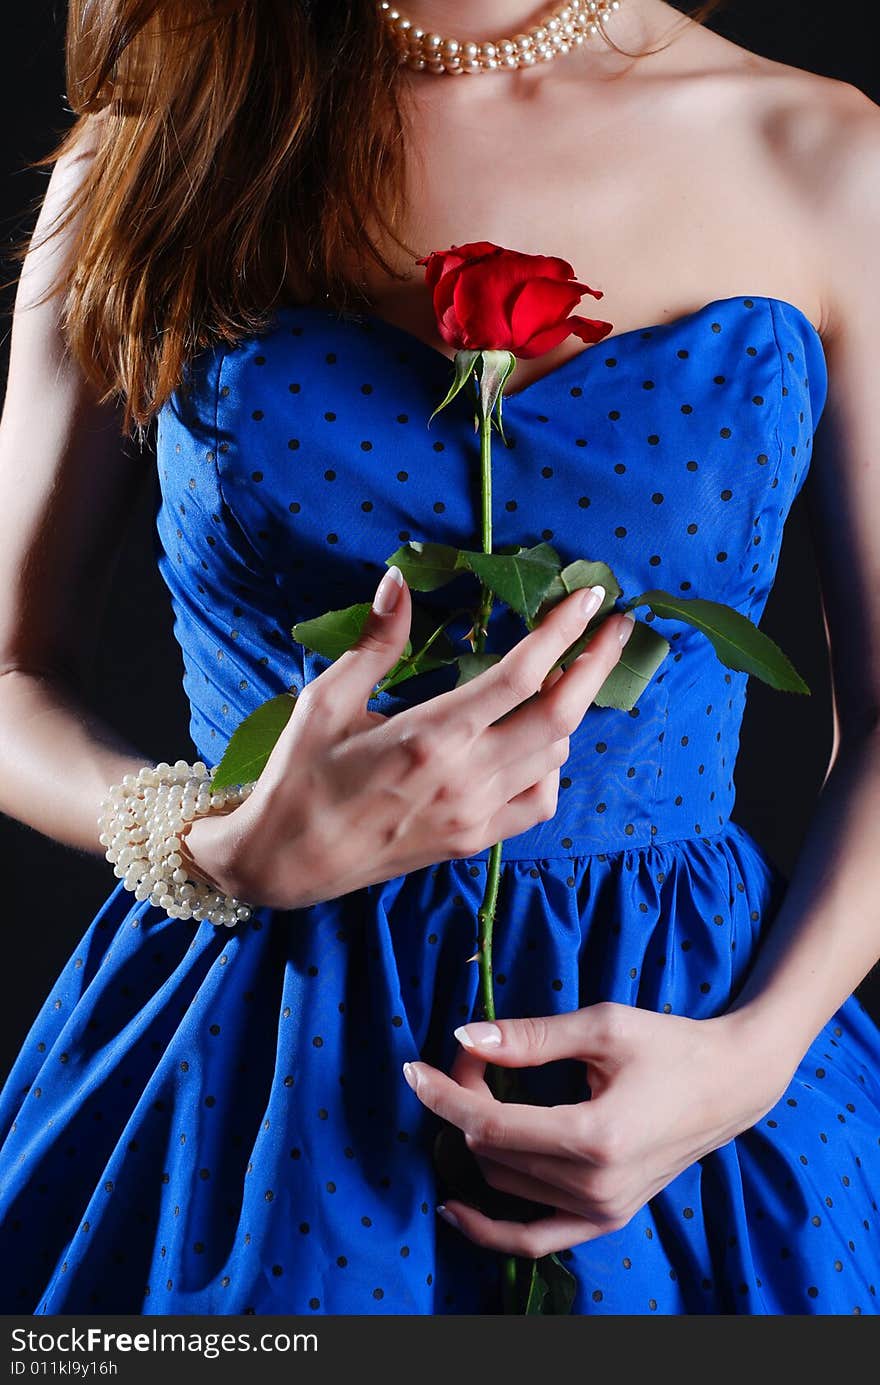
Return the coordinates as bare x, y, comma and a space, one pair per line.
53, 892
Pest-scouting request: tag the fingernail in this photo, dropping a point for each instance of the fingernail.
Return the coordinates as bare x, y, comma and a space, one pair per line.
591, 600
481, 1033
388, 591
626, 630
411, 1076
444, 1212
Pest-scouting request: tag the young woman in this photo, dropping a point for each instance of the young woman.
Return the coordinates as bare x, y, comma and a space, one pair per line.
210, 1119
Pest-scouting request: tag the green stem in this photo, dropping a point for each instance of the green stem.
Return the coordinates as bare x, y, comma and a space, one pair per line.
486, 918
509, 1285
406, 661
497, 1078
486, 912
484, 610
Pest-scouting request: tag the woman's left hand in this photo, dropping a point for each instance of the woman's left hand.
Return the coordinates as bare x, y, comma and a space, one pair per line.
664, 1092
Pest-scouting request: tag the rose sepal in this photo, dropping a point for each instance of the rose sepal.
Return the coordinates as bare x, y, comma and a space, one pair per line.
464, 361
495, 366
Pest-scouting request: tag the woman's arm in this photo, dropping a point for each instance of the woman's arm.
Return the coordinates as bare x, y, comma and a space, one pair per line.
67, 489
657, 1104
826, 934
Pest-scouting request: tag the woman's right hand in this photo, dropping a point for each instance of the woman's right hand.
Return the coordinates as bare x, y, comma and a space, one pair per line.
350, 797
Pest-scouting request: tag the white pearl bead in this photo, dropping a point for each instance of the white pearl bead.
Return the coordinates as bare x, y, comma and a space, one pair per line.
140, 824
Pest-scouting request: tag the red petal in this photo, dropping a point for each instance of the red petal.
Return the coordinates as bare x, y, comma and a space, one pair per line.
448, 324
486, 292
481, 294
485, 295
478, 249
542, 341
541, 304
589, 329
585, 288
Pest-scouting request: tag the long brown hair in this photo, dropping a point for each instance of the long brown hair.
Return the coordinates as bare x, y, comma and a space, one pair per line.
243, 150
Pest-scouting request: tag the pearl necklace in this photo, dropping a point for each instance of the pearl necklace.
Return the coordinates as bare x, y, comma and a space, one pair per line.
562, 28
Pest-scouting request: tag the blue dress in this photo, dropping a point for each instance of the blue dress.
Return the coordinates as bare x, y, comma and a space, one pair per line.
209, 1120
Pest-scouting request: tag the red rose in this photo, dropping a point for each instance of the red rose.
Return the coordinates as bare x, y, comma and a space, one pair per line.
487, 298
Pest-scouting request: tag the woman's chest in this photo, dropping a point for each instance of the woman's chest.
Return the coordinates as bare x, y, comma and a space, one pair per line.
649, 195
673, 452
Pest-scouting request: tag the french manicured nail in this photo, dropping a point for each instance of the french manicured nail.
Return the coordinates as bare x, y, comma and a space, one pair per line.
444, 1212
481, 1034
388, 591
411, 1076
625, 631
591, 600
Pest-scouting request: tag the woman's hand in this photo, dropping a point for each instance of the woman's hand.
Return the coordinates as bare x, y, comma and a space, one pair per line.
665, 1091
349, 797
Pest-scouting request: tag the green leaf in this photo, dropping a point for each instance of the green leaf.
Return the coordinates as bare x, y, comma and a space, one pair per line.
521, 580
642, 655
334, 632
640, 658
252, 741
472, 665
426, 566
561, 1284
551, 1287
737, 641
422, 627
464, 364
538, 1291
580, 574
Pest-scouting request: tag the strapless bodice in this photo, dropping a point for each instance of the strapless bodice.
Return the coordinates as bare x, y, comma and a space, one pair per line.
295, 462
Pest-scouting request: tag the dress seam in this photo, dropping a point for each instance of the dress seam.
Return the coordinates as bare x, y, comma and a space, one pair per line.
772, 484
729, 824
254, 564
220, 364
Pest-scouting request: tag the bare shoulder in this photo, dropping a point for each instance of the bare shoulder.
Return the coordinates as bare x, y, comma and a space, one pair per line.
820, 127
817, 127
822, 136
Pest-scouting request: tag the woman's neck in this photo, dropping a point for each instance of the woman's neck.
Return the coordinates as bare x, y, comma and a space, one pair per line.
474, 19
637, 26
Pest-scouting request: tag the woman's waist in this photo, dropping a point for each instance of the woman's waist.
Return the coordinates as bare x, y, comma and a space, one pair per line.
611, 826
615, 794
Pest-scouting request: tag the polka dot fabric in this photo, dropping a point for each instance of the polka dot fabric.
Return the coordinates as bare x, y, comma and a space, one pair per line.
216, 1121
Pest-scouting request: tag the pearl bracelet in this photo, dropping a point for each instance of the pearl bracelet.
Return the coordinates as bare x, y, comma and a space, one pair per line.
144, 821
